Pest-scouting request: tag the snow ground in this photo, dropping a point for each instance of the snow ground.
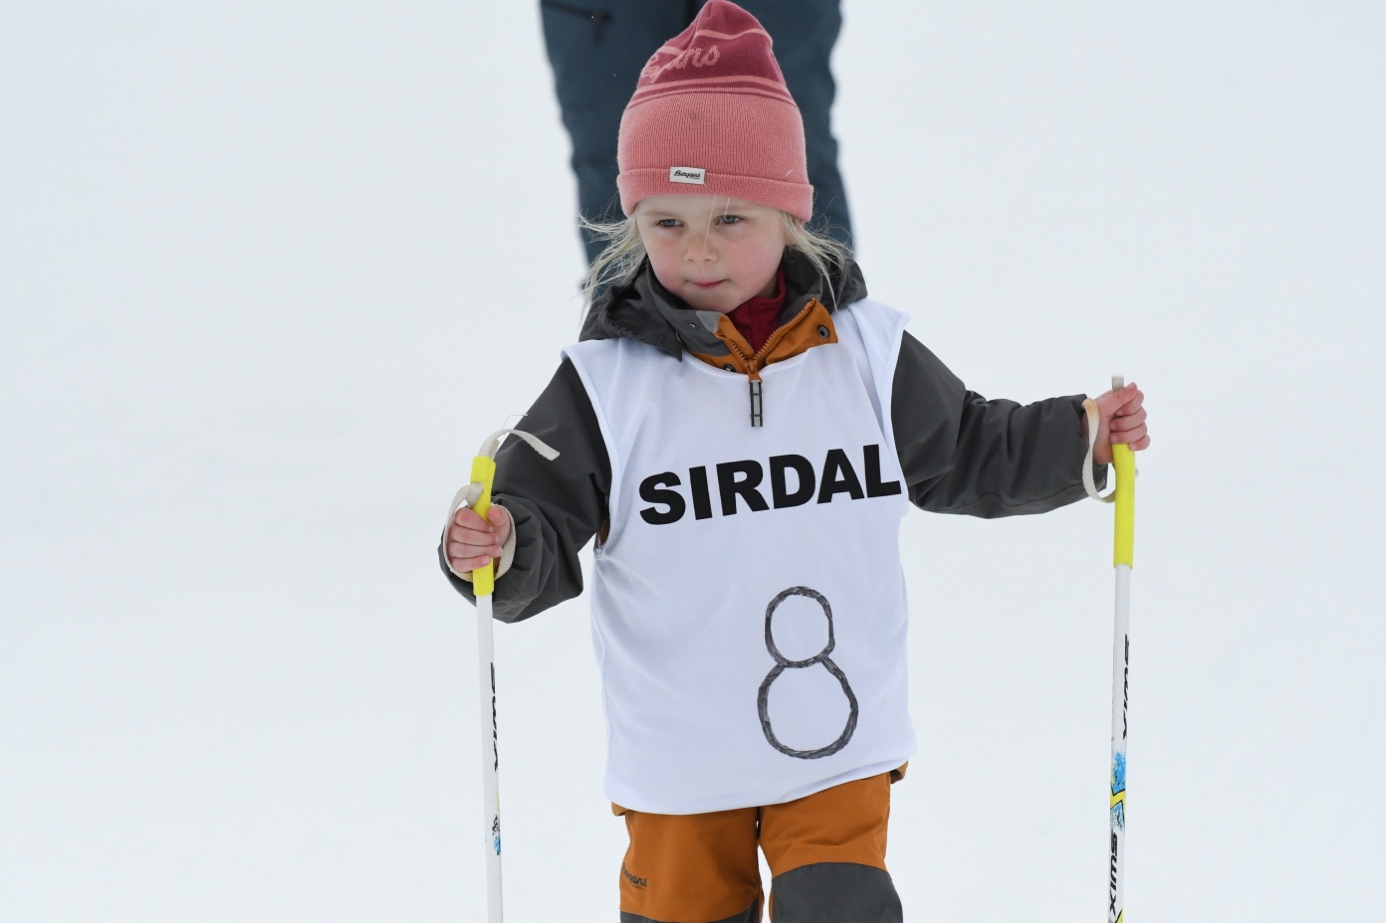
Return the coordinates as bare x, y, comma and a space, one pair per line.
272, 270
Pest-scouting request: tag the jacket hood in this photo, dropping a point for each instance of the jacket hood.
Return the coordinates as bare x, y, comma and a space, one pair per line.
642, 309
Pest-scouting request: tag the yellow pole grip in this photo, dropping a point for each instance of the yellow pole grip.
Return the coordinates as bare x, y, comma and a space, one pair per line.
1124, 544
484, 471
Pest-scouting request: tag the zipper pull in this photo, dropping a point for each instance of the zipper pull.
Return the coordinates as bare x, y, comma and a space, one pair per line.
755, 402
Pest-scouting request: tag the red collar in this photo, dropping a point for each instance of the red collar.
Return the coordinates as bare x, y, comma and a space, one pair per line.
760, 316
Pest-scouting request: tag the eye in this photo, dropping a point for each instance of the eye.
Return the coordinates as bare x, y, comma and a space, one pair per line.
729, 219
667, 223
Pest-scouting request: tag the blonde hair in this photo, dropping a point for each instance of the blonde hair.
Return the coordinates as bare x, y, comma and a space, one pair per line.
624, 251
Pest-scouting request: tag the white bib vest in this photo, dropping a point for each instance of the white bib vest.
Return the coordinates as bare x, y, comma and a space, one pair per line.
748, 605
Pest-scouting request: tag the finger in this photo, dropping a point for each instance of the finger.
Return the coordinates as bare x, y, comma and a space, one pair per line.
1129, 400
472, 526
1126, 423
472, 537
471, 549
502, 534
1130, 437
463, 565
468, 519
1112, 404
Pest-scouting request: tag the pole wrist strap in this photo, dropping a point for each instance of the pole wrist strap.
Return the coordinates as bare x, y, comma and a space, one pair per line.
470, 494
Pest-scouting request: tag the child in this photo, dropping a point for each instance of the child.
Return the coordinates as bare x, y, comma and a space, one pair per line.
742, 428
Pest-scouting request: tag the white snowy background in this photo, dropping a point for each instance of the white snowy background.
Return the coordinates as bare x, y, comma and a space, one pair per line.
270, 271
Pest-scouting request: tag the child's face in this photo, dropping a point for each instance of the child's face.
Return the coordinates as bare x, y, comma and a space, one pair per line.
713, 252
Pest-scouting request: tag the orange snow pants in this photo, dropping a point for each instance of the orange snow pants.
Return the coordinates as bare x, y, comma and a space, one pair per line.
826, 854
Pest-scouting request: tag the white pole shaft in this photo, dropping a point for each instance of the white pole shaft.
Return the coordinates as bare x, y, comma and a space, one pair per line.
490, 757
1121, 654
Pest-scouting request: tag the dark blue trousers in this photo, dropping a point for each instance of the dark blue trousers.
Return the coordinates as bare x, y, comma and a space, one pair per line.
597, 48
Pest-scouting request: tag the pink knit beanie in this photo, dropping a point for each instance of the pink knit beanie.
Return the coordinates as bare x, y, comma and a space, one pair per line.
711, 115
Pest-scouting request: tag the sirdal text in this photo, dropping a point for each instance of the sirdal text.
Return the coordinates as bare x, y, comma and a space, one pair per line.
741, 485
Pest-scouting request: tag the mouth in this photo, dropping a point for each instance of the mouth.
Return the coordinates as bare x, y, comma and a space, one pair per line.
707, 285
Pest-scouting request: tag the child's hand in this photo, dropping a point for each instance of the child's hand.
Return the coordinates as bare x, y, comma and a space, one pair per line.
474, 542
1121, 419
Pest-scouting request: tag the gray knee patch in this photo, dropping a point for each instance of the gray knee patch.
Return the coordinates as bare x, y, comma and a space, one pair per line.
835, 892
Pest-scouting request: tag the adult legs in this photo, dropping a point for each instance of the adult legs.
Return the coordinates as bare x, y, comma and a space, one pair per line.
805, 32
597, 48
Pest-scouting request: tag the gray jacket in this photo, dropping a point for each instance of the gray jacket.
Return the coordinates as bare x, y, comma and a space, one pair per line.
960, 452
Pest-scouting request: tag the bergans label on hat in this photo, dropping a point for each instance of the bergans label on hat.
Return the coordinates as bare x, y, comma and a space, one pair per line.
695, 175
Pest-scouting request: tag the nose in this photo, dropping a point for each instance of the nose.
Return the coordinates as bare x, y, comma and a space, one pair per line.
699, 249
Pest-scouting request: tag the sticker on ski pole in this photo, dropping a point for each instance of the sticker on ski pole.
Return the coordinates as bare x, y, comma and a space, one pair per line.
783, 663
1118, 791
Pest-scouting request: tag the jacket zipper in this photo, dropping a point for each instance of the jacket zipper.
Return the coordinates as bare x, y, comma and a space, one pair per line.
755, 385
753, 380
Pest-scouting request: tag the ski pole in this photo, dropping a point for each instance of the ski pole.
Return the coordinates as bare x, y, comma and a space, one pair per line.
483, 582
477, 496
1123, 548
